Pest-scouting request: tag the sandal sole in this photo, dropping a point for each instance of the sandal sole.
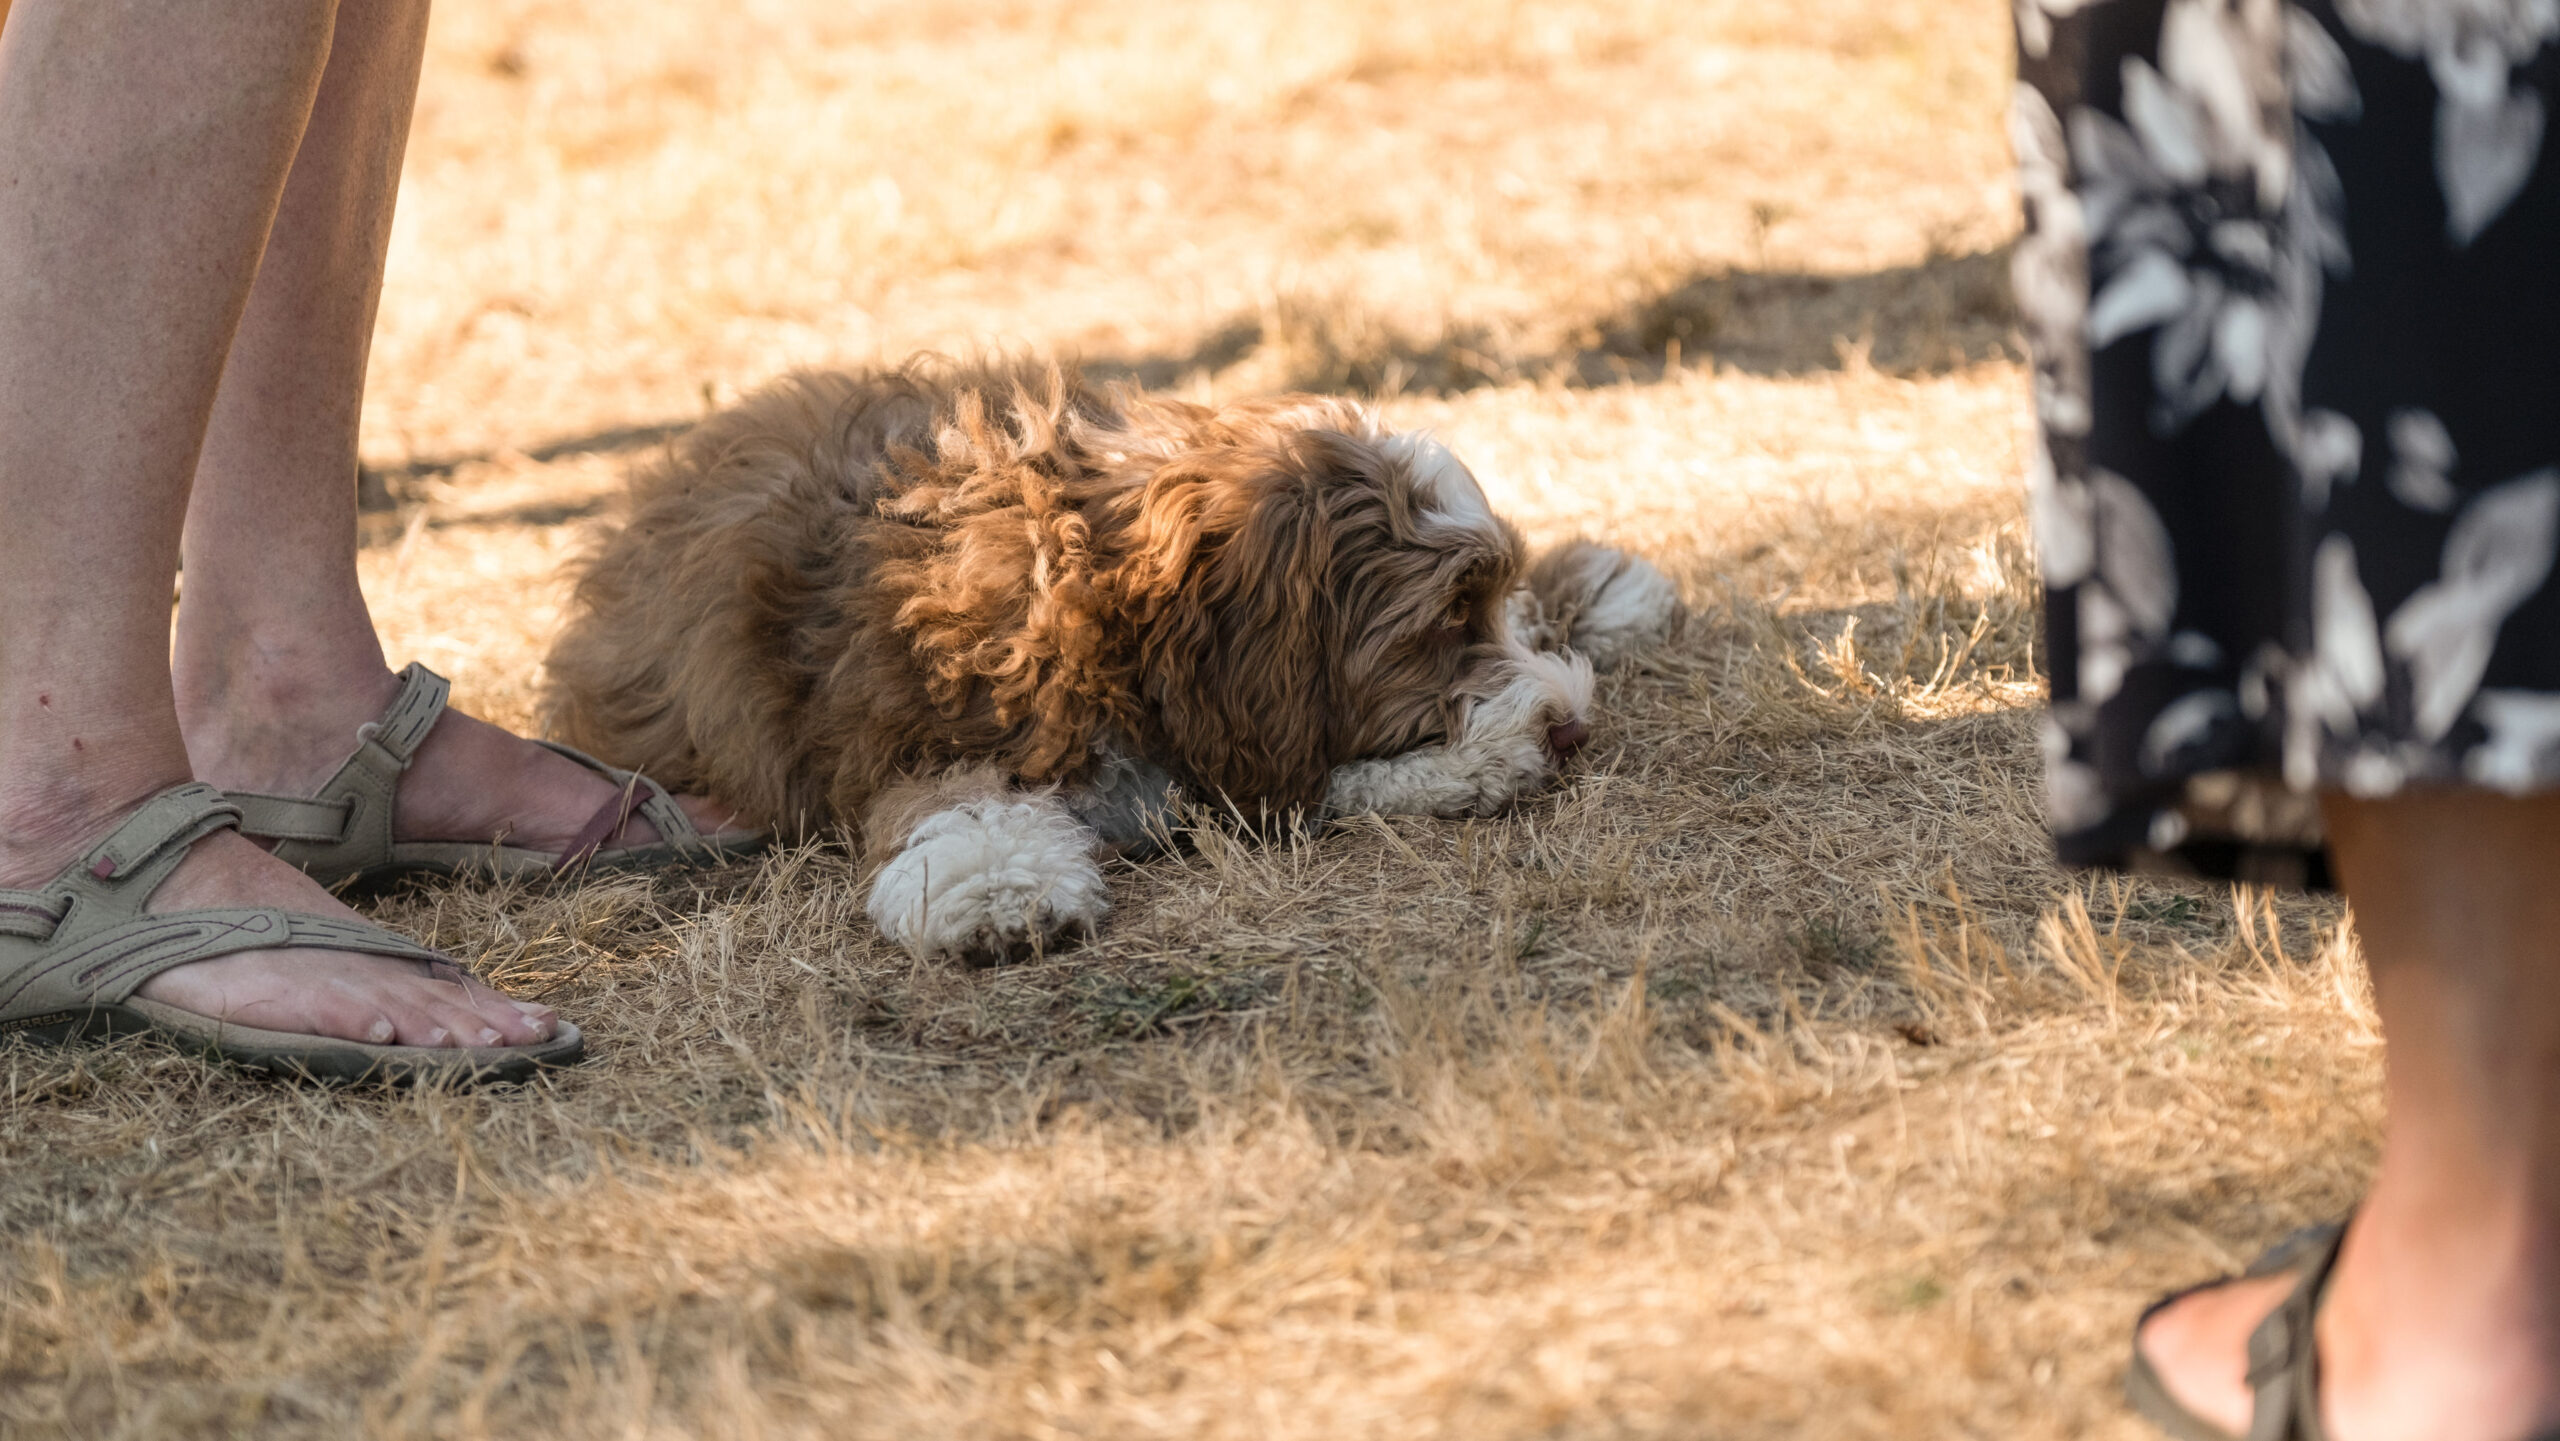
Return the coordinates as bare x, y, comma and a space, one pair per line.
442, 861
300, 1057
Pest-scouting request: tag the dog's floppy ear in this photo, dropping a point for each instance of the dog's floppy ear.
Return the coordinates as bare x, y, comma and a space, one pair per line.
1232, 585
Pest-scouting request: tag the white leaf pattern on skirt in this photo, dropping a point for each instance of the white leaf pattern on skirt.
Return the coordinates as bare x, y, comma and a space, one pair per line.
2203, 214
2487, 136
2151, 290
2134, 558
2524, 728
2346, 641
2331, 451
2058, 511
2422, 461
2182, 724
2484, 155
2499, 552
2324, 88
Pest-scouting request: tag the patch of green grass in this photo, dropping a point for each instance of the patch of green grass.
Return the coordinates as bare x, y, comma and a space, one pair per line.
2175, 911
1131, 1007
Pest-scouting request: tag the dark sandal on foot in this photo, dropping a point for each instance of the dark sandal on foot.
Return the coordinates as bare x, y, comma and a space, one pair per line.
2283, 1358
343, 834
73, 952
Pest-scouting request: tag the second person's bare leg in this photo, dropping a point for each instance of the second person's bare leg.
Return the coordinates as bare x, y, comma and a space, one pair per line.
2440, 1323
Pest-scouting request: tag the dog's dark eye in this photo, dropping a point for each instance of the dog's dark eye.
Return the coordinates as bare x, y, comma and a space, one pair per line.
1460, 612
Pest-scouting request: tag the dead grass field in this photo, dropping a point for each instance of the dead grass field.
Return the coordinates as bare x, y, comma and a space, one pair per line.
1764, 1081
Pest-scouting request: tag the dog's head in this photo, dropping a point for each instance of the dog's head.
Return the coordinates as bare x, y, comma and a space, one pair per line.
1313, 592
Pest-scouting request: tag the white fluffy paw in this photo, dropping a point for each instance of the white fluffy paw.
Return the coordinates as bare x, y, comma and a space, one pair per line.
991, 881
1508, 744
1609, 605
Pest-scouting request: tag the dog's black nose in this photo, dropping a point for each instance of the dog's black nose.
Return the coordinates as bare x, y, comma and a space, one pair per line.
1565, 739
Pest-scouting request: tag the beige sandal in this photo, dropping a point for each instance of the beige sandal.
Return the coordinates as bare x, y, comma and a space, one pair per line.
2283, 1357
73, 951
343, 834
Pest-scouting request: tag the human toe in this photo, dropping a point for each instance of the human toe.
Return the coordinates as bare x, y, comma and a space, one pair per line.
495, 1019
458, 1010
384, 1004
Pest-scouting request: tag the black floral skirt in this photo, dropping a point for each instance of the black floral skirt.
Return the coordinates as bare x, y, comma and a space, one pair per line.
2292, 280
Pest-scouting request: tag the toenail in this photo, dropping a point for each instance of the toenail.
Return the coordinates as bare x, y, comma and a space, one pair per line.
439, 1036
488, 1037
379, 1032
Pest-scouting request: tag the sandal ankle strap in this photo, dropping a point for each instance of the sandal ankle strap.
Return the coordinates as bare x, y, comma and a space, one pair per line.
345, 828
350, 817
118, 875
136, 856
2284, 1355
161, 830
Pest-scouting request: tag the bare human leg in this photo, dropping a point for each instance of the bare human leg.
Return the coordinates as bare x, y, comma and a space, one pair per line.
2439, 1321
276, 659
142, 152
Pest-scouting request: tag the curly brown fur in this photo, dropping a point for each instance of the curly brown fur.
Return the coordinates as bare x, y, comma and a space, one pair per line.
850, 580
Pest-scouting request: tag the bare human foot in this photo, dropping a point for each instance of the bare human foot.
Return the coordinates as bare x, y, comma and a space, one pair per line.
273, 728
329, 993
375, 999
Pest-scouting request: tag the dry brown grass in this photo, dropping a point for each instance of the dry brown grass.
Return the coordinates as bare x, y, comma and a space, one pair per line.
1766, 1080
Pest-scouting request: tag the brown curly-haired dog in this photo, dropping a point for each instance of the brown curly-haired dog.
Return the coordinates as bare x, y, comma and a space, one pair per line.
991, 617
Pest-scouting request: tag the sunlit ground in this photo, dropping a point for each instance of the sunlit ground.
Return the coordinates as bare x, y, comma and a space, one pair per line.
1765, 1080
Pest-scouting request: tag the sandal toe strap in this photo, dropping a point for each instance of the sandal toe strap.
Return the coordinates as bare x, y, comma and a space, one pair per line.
639, 796
105, 967
607, 823
84, 940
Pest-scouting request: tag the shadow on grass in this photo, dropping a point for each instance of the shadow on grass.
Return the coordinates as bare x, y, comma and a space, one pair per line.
1944, 313
381, 488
